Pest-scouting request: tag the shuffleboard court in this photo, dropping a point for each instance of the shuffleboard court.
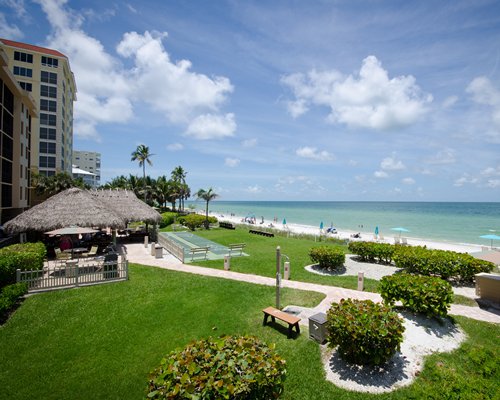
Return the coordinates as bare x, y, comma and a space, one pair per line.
189, 241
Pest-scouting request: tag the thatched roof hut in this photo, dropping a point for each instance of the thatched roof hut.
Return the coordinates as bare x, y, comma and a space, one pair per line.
73, 207
126, 204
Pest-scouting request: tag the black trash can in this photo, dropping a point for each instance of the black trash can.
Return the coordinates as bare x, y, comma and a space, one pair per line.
317, 327
110, 268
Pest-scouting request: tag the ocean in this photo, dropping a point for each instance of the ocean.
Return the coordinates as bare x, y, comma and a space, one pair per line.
439, 221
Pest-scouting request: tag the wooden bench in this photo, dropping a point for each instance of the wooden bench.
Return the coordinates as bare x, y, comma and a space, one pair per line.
236, 247
199, 250
283, 316
227, 225
262, 233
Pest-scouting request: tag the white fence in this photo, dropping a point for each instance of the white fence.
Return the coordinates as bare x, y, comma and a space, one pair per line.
74, 273
172, 247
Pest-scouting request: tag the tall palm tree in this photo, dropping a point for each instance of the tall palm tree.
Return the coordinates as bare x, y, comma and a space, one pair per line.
143, 156
207, 195
179, 176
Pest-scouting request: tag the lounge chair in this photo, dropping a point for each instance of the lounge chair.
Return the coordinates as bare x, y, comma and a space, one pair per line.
91, 253
381, 238
396, 240
404, 242
61, 256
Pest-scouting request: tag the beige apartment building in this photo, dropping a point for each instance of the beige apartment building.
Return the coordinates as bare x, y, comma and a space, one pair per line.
18, 111
46, 74
89, 161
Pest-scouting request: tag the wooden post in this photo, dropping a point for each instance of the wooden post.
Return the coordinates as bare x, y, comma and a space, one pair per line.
278, 276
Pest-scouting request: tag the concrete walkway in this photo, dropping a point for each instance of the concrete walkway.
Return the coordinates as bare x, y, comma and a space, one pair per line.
137, 253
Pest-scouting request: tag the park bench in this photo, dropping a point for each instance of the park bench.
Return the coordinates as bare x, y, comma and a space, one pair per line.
199, 250
227, 225
262, 233
291, 320
236, 247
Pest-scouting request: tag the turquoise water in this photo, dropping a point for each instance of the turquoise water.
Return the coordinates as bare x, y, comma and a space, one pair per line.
447, 222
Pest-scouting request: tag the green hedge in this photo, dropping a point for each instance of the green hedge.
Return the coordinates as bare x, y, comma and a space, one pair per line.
365, 332
423, 294
327, 257
460, 267
194, 221
25, 256
9, 295
373, 252
228, 367
167, 218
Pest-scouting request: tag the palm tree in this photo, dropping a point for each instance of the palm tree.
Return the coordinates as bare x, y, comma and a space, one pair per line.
142, 155
207, 195
179, 176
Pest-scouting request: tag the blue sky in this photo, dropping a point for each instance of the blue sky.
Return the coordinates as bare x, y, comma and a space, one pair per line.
285, 100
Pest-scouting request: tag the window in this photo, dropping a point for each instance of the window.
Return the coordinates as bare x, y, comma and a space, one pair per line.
6, 171
7, 147
48, 119
48, 105
26, 86
47, 162
21, 168
6, 196
21, 71
8, 100
48, 91
8, 123
49, 77
47, 147
47, 133
23, 57
50, 62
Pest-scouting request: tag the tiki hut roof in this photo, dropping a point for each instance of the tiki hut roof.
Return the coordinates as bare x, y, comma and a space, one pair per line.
73, 207
126, 204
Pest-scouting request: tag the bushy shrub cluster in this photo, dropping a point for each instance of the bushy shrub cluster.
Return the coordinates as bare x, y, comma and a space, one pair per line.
167, 218
193, 221
460, 267
365, 332
228, 367
372, 251
327, 257
9, 295
25, 256
423, 294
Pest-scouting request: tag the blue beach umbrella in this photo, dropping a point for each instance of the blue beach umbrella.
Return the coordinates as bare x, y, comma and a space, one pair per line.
490, 237
376, 230
321, 225
399, 229
284, 221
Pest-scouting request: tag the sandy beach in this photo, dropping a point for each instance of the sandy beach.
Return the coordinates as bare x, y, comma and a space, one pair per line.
363, 236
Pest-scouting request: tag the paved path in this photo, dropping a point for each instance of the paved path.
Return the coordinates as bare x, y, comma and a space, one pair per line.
137, 253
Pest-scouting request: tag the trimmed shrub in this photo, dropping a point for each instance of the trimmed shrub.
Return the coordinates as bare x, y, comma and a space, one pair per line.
423, 294
9, 295
460, 267
327, 257
25, 256
371, 251
168, 218
228, 367
193, 221
365, 332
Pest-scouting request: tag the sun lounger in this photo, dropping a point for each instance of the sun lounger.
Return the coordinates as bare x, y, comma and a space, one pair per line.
396, 240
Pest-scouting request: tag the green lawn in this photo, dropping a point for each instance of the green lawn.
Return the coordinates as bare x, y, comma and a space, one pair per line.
101, 342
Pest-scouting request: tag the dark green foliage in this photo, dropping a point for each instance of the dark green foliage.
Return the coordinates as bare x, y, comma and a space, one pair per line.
193, 221
26, 256
445, 264
373, 252
168, 218
365, 332
327, 257
423, 294
228, 367
9, 295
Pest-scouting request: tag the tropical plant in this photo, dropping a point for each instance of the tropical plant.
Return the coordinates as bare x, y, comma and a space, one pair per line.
143, 156
50, 185
208, 196
179, 176
327, 257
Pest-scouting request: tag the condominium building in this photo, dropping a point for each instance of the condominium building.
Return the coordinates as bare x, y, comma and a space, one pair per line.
17, 114
89, 161
46, 74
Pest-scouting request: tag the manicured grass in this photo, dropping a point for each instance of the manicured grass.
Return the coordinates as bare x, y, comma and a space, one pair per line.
262, 260
101, 342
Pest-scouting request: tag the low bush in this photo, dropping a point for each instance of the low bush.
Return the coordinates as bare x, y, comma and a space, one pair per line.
328, 257
25, 256
371, 251
365, 332
460, 267
194, 221
9, 295
229, 367
423, 294
167, 218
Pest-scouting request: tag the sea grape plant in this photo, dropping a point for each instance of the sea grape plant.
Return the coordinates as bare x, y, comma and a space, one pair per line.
327, 257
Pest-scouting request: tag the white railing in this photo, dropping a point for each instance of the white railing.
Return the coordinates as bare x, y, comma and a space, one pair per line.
172, 247
74, 273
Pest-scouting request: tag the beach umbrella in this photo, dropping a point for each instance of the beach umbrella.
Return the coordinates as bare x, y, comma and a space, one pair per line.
71, 230
376, 230
284, 221
321, 225
490, 237
399, 229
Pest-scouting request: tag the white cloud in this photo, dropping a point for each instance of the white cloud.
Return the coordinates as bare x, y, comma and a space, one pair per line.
450, 101
250, 142
408, 181
493, 183
369, 100
313, 153
210, 126
254, 189
131, 8
9, 31
232, 162
445, 156
392, 164
490, 171
484, 92
465, 179
381, 174
175, 147
16, 5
